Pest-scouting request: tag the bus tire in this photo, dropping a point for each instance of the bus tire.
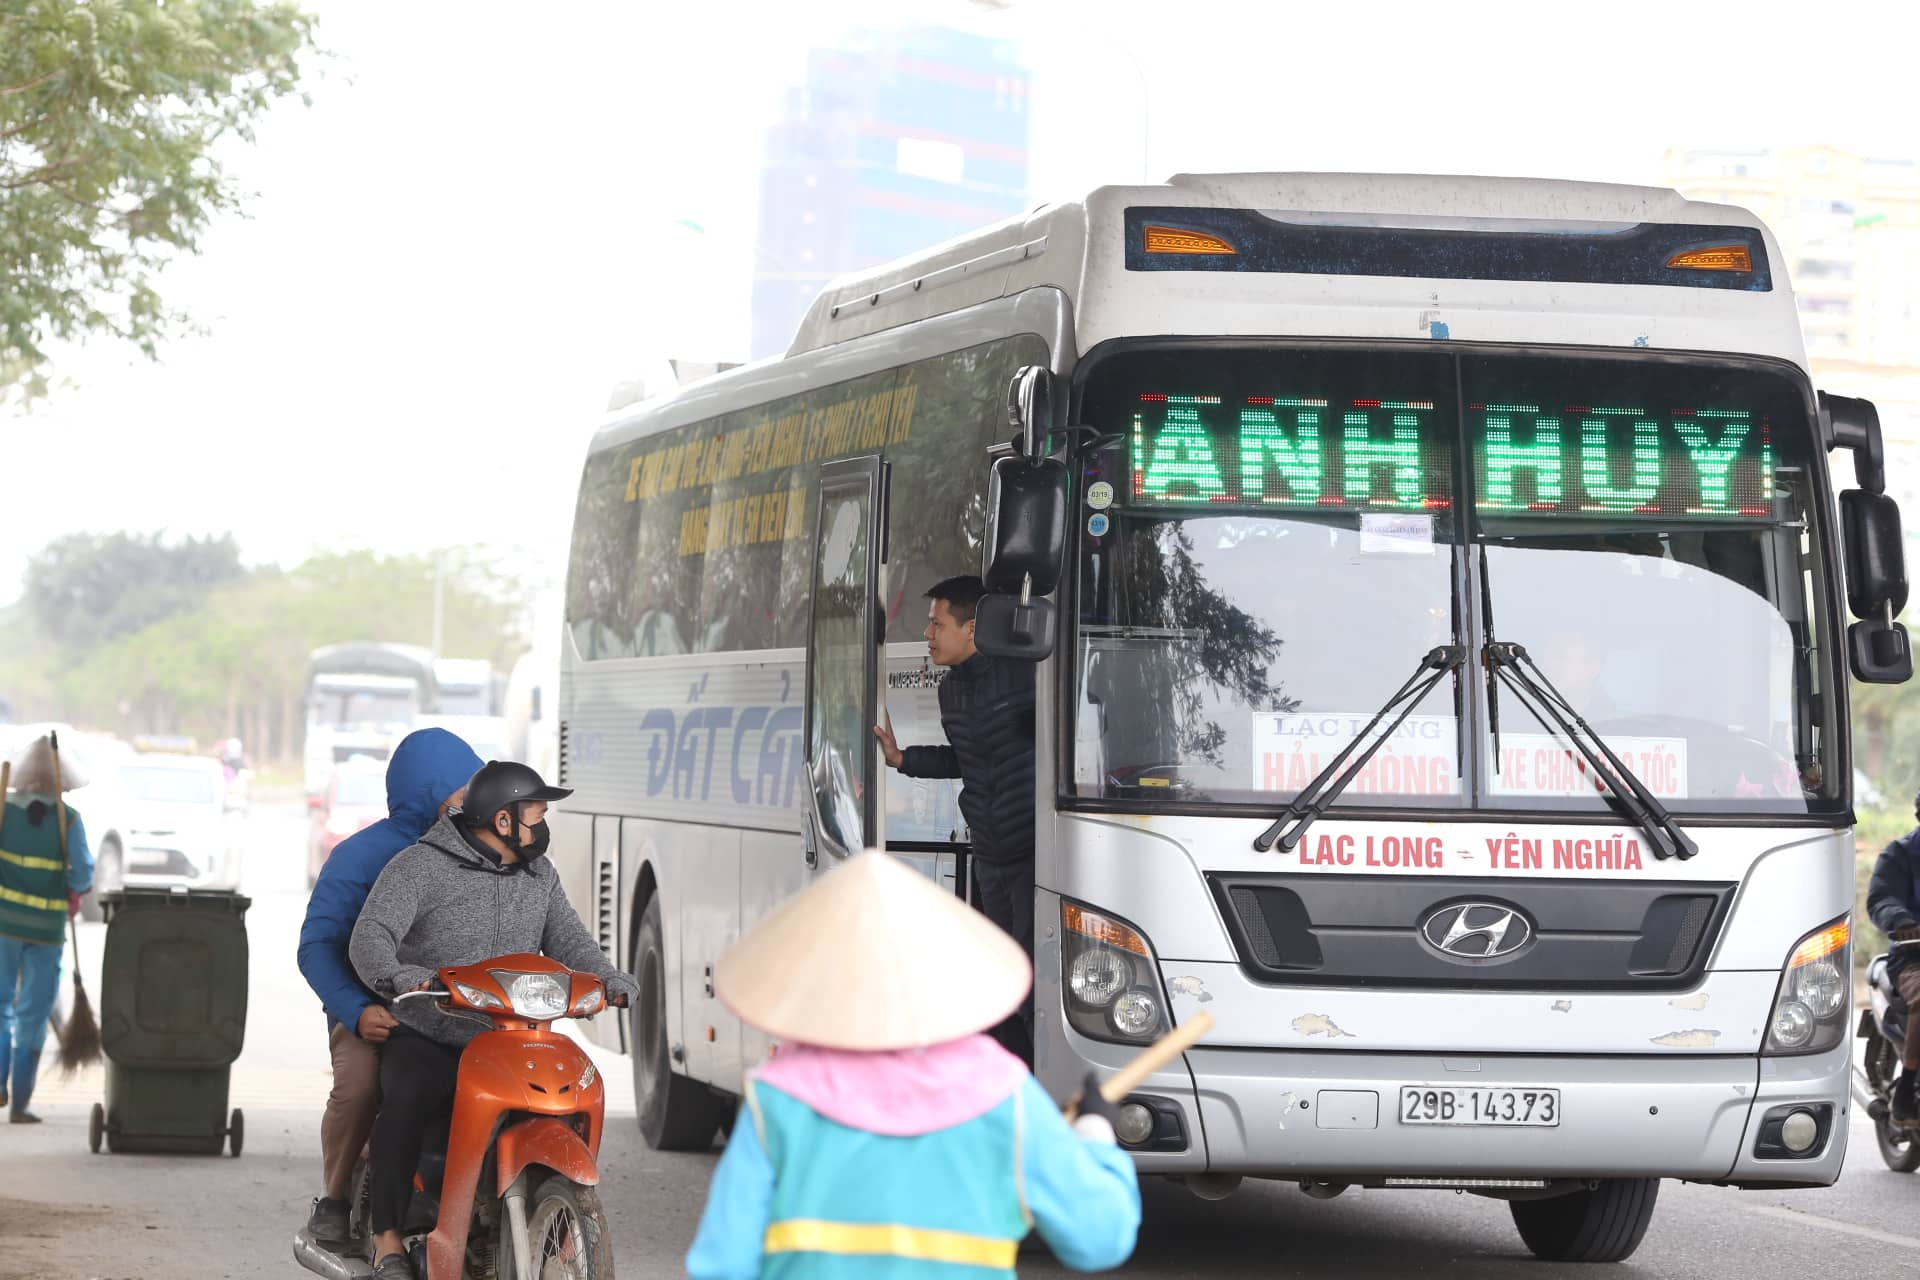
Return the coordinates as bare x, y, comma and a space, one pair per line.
676, 1114
1605, 1224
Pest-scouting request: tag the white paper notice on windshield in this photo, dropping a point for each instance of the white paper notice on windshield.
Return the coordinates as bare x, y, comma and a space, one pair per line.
1418, 760
1540, 764
1395, 534
1289, 749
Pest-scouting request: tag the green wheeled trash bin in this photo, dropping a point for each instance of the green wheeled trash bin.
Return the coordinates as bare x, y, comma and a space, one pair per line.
173, 1015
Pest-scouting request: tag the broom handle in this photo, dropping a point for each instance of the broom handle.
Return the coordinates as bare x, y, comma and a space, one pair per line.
1151, 1059
66, 859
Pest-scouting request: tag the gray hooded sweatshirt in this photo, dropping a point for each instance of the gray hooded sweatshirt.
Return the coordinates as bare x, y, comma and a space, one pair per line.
441, 903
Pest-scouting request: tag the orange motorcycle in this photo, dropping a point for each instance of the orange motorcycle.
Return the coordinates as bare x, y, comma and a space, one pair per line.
512, 1196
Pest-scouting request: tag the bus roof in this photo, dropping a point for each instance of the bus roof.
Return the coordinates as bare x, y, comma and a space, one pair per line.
412, 662
1317, 270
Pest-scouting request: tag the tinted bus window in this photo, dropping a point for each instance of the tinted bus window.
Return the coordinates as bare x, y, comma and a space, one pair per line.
695, 540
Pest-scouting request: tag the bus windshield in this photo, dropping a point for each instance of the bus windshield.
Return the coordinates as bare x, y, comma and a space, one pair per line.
1277, 537
338, 708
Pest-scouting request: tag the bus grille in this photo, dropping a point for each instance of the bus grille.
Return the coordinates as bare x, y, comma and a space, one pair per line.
561, 736
1573, 935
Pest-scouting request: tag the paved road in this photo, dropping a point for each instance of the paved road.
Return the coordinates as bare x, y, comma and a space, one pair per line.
68, 1215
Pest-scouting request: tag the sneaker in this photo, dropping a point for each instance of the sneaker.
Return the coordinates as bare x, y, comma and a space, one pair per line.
3, 1096
1905, 1111
23, 1117
393, 1267
329, 1224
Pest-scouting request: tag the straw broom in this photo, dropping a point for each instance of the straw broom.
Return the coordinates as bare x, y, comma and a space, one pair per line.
80, 1043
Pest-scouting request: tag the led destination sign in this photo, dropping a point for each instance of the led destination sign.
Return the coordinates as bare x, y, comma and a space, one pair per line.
1367, 454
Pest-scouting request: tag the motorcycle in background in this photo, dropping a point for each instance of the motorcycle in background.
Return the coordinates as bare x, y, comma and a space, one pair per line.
1883, 1026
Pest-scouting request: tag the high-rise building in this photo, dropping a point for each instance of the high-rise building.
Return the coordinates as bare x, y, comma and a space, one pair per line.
1849, 228
896, 141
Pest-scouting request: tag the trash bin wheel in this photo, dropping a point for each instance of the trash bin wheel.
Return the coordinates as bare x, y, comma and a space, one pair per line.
96, 1128
236, 1131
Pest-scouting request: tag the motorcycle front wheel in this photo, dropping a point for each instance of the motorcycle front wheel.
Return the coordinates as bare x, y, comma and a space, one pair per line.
567, 1235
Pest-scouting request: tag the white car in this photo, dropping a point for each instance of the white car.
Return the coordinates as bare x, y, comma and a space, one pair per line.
175, 826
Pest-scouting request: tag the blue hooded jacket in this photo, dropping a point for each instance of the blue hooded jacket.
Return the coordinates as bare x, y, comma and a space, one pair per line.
428, 766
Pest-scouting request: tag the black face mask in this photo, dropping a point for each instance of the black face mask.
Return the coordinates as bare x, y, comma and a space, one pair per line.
534, 848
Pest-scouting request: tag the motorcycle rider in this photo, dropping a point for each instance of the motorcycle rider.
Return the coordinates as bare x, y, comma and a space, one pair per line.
477, 885
1893, 900
424, 779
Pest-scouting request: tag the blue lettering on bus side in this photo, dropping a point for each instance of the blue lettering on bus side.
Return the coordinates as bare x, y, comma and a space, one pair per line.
681, 749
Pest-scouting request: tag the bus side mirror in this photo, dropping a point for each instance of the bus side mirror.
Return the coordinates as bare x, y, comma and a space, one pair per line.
1026, 534
1005, 626
1878, 648
1030, 410
1879, 652
1026, 546
1853, 424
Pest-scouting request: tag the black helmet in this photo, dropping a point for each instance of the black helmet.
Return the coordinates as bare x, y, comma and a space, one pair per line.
501, 784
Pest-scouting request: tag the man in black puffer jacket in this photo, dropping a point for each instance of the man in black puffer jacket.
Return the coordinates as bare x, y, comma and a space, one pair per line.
986, 709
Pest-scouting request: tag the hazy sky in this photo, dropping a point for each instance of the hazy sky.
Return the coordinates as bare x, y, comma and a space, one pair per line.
469, 237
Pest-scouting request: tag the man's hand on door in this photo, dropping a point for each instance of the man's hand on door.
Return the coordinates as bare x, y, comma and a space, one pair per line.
884, 732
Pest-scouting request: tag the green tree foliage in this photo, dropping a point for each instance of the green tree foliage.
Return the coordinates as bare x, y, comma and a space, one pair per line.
231, 658
88, 589
110, 112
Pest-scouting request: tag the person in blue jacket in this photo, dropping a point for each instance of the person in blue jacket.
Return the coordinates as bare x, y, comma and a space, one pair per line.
888, 1137
429, 769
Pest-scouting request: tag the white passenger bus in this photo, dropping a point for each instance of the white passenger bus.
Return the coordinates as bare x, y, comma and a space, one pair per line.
1437, 593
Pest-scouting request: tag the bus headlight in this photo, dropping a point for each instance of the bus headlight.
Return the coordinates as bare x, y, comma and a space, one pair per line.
1113, 984
1135, 1014
1810, 1009
1097, 976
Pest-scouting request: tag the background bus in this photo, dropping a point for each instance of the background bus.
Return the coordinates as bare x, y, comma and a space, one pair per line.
1328, 432
362, 698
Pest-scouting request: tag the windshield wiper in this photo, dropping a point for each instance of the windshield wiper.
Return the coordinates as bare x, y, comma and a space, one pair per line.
1522, 674
1493, 681
1326, 786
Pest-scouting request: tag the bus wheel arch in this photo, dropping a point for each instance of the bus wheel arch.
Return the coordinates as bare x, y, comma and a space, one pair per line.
676, 1113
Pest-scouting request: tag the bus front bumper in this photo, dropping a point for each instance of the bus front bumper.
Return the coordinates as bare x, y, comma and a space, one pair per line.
1336, 1115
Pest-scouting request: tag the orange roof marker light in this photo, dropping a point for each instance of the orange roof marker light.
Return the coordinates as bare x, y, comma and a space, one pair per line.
1714, 257
1181, 240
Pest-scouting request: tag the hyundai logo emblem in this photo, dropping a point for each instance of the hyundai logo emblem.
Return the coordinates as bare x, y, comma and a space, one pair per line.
1477, 930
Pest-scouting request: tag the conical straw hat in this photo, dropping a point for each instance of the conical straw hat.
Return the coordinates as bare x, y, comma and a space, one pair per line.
873, 956
33, 768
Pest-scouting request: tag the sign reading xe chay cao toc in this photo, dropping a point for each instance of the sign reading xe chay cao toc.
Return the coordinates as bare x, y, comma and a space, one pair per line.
1420, 758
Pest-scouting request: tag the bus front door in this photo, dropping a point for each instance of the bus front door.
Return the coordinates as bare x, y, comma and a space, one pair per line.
843, 814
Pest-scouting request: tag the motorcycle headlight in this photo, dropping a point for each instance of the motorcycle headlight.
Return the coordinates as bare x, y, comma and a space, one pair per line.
1811, 1007
539, 997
